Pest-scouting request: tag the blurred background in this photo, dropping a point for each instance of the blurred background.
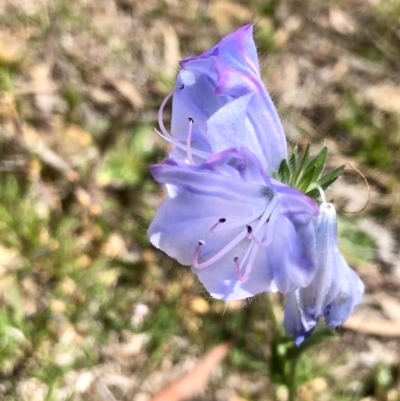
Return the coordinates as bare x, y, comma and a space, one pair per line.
89, 310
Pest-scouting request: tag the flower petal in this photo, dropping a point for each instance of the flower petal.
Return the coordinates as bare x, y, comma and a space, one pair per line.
335, 289
293, 259
230, 188
224, 94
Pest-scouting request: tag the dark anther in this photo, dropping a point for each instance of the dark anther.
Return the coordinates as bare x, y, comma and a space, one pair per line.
201, 242
191, 119
249, 229
181, 87
236, 259
222, 220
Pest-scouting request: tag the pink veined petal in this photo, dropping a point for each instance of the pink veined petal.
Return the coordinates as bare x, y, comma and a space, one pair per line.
334, 291
224, 94
206, 219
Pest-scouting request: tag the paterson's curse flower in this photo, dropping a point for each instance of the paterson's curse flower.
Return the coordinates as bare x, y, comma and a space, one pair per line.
220, 102
335, 290
242, 232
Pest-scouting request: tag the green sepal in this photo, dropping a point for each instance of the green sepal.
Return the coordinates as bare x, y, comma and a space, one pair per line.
293, 160
303, 163
325, 181
306, 173
283, 174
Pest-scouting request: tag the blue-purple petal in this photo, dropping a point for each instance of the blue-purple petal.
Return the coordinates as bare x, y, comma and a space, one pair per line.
335, 289
232, 186
224, 94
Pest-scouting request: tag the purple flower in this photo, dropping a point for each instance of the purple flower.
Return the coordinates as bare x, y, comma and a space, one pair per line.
335, 289
223, 94
242, 232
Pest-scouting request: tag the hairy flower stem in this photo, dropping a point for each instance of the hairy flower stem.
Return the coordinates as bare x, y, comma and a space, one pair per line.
271, 317
276, 334
292, 383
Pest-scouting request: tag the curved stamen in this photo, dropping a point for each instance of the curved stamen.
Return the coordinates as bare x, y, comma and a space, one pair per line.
251, 252
218, 255
169, 138
266, 215
180, 145
270, 216
250, 263
189, 140
249, 232
220, 221
240, 223
161, 112
270, 227
239, 274
243, 261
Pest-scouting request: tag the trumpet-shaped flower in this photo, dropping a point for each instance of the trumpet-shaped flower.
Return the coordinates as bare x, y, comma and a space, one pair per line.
242, 232
220, 102
335, 289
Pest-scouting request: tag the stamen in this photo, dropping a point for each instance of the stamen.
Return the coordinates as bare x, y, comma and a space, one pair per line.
250, 263
270, 215
249, 232
161, 112
222, 220
268, 211
168, 137
218, 255
196, 252
237, 224
239, 274
270, 227
189, 140
246, 255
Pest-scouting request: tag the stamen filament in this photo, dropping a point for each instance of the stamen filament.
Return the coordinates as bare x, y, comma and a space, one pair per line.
220, 254
239, 274
266, 215
220, 221
168, 137
189, 140
161, 112
250, 263
240, 223
255, 245
180, 145
270, 227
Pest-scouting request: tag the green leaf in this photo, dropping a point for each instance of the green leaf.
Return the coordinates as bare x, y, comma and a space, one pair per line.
306, 180
318, 162
325, 181
304, 161
293, 160
330, 177
284, 171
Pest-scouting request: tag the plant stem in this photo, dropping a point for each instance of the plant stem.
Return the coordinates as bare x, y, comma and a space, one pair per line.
292, 384
271, 316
